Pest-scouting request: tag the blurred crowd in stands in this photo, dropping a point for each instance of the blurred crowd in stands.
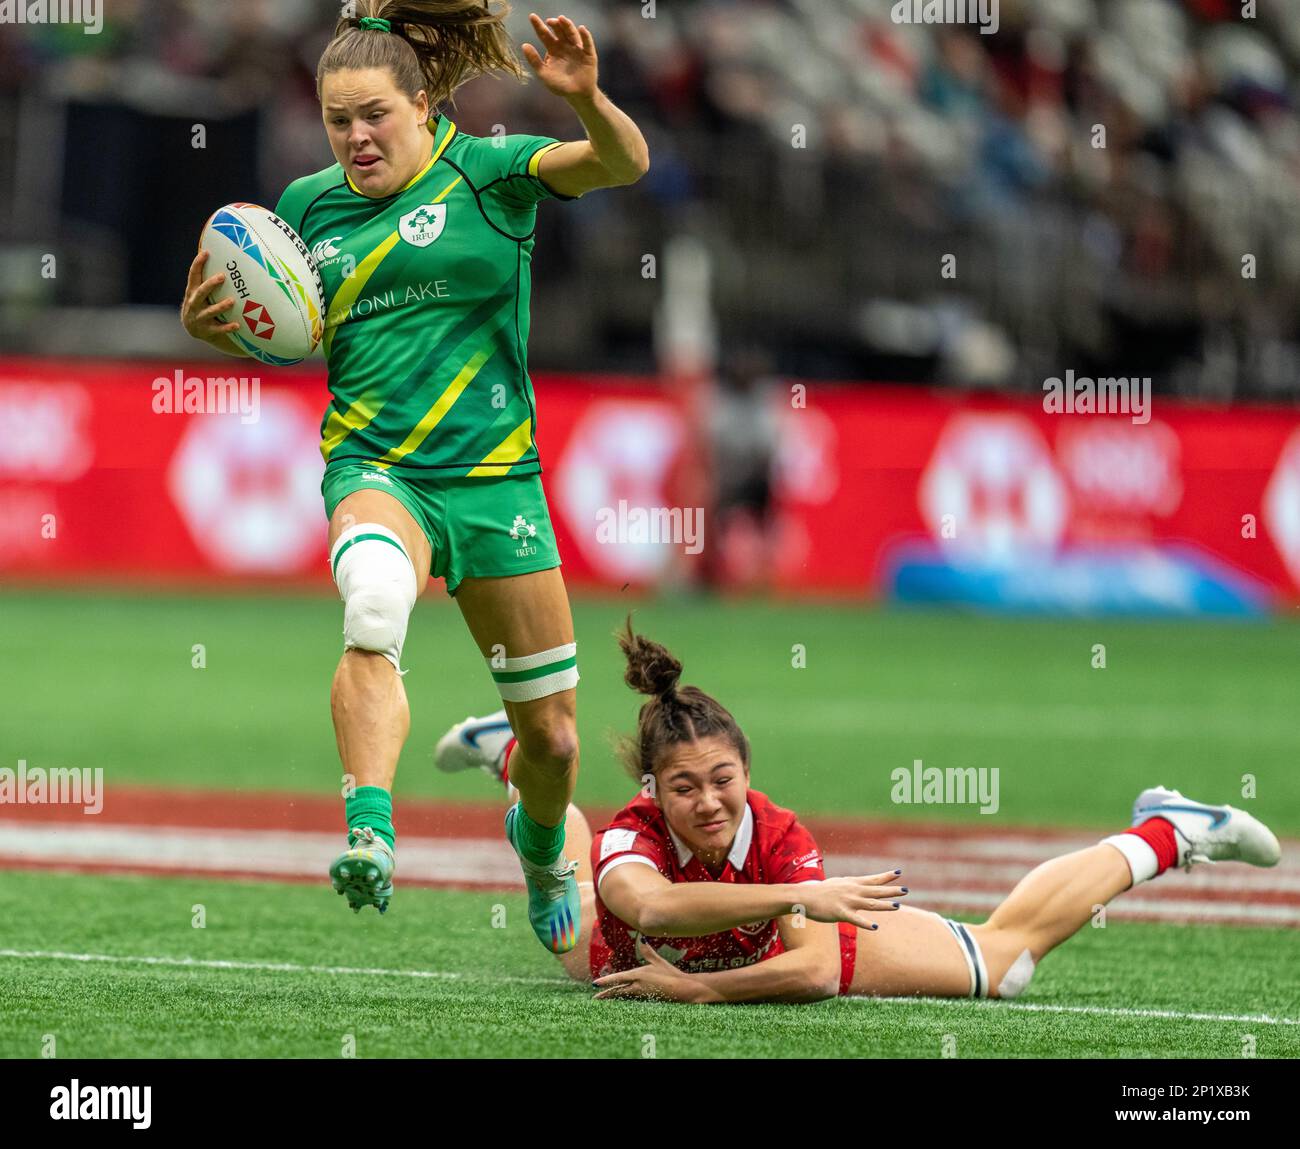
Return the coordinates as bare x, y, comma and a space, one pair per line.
1111, 186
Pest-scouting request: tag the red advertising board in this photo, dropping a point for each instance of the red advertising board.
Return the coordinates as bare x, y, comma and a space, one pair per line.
867, 470
103, 473
99, 480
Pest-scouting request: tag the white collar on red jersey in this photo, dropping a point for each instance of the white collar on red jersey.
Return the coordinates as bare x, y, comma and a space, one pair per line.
739, 845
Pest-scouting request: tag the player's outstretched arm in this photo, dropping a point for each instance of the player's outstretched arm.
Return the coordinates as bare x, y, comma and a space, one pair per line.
809, 970
614, 152
651, 904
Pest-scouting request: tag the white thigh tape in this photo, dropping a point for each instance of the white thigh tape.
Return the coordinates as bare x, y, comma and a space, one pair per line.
534, 676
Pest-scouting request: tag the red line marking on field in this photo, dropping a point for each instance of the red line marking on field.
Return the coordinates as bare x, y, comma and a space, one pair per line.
953, 866
426, 818
119, 869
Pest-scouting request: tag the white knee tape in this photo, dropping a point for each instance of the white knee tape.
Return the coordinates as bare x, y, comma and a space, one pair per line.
377, 584
1017, 977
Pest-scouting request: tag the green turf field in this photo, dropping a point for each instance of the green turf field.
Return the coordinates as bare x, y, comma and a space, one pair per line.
106, 681
494, 992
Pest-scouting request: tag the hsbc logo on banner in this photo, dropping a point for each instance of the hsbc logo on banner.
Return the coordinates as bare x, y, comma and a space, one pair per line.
620, 450
991, 490
1117, 469
47, 430
249, 494
1282, 506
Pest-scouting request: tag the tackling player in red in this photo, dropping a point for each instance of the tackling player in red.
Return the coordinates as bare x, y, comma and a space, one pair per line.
704, 890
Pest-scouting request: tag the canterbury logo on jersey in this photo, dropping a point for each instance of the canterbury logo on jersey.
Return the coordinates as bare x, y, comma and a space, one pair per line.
325, 252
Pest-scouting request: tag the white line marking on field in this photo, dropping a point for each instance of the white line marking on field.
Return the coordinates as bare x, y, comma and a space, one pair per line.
451, 975
1097, 1010
275, 966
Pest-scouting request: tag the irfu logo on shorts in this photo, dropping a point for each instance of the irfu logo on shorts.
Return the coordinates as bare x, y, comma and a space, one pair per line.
520, 530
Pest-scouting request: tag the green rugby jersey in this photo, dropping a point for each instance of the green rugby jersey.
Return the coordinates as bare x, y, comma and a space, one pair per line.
427, 307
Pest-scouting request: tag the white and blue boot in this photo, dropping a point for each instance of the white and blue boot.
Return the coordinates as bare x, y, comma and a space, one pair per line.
1209, 833
477, 742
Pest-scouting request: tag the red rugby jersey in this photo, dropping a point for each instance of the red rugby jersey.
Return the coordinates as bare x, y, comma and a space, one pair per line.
771, 847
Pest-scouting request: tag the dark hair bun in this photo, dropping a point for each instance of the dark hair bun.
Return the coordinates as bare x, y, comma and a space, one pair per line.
650, 668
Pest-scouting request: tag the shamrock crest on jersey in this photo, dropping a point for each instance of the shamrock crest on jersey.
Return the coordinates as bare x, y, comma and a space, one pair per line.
423, 225
521, 528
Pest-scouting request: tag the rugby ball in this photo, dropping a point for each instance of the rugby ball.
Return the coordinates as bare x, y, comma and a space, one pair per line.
271, 274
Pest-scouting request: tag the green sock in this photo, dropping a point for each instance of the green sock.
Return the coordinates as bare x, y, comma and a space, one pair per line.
540, 845
371, 806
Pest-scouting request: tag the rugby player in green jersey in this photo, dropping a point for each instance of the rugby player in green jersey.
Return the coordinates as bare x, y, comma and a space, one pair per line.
423, 235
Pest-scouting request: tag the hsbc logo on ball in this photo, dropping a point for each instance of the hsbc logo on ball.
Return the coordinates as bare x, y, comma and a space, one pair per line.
258, 320
237, 279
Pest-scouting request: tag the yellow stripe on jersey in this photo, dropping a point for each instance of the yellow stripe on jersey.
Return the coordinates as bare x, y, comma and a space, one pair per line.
434, 415
352, 287
446, 191
360, 414
339, 426
509, 451
537, 157
347, 294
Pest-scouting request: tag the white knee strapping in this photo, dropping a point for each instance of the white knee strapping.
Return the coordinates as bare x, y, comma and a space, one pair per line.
377, 584
1017, 977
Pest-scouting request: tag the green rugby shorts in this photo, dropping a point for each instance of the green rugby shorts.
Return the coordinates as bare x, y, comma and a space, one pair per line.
477, 528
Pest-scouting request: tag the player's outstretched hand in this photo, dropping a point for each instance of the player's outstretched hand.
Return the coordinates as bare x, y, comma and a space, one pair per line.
569, 67
851, 899
201, 319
